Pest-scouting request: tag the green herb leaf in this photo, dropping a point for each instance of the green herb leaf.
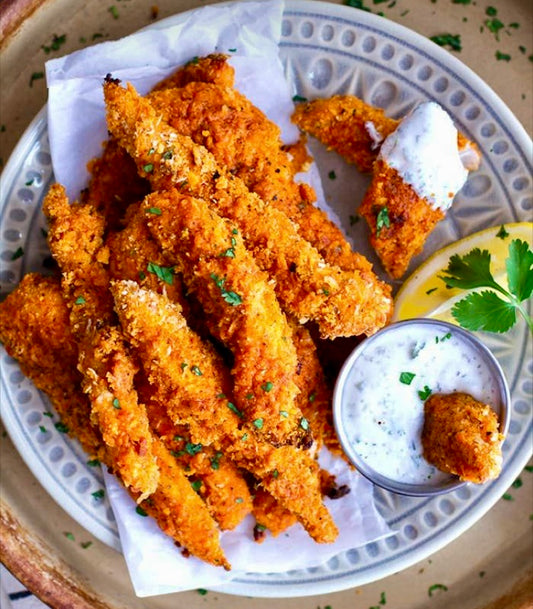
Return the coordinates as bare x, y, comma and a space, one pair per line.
61, 427
304, 423
196, 485
258, 423
196, 371
448, 40
140, 511
332, 175
469, 271
266, 387
93, 462
502, 56
424, 394
502, 233
99, 494
165, 273
234, 409
484, 311
80, 300
407, 377
17, 254
520, 269
36, 76
116, 403
68, 535
382, 220
154, 210
436, 587
299, 98
193, 449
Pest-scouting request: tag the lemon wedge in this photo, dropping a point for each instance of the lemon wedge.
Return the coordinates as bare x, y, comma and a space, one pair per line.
423, 294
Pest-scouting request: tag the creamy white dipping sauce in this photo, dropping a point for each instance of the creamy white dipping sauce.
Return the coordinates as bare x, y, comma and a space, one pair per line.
383, 390
423, 150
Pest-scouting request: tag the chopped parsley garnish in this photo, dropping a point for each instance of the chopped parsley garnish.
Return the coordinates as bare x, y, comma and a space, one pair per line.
114, 12
80, 300
304, 423
61, 427
382, 220
116, 403
502, 233
244, 437
299, 98
494, 26
86, 544
56, 43
486, 310
202, 591
215, 461
42, 429
407, 377
258, 423
275, 473
140, 511
354, 220
17, 254
232, 50
312, 397
47, 414
507, 497
148, 168
93, 462
448, 40
193, 449
267, 386
36, 76
196, 371
167, 155
502, 56
29, 182
230, 297
68, 535
234, 409
332, 175
154, 210
284, 413
436, 587
424, 394
165, 273
358, 4
99, 494
239, 500
196, 485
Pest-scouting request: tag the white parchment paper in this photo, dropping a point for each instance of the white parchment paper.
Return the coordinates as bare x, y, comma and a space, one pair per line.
249, 32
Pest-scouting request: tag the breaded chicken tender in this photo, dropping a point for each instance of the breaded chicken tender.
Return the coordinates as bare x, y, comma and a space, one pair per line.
399, 219
342, 303
212, 68
198, 395
34, 327
35, 330
241, 310
346, 124
249, 145
461, 436
355, 130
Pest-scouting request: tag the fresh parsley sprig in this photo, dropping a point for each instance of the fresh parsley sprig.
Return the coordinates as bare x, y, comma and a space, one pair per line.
486, 310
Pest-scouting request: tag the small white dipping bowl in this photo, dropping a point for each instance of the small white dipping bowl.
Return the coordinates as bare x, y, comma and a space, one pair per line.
378, 401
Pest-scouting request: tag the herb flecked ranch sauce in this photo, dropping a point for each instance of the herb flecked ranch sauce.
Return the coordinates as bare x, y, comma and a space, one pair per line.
423, 150
385, 390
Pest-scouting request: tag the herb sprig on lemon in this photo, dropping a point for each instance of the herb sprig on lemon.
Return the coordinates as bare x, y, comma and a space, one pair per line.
497, 259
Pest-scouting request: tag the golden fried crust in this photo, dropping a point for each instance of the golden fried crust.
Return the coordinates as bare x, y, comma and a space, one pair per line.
242, 139
340, 122
108, 380
342, 303
34, 328
460, 436
213, 68
114, 184
162, 340
411, 219
241, 310
181, 513
347, 124
270, 514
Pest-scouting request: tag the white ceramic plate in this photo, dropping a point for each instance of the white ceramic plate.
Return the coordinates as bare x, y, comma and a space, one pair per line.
326, 49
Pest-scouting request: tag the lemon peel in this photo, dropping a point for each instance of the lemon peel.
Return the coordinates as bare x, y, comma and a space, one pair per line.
424, 294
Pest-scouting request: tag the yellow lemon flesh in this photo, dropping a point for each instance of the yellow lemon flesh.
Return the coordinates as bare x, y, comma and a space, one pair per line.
423, 294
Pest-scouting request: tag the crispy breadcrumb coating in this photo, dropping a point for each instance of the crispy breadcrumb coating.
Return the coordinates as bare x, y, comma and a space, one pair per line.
410, 218
241, 310
461, 436
163, 341
342, 303
355, 130
249, 145
35, 330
